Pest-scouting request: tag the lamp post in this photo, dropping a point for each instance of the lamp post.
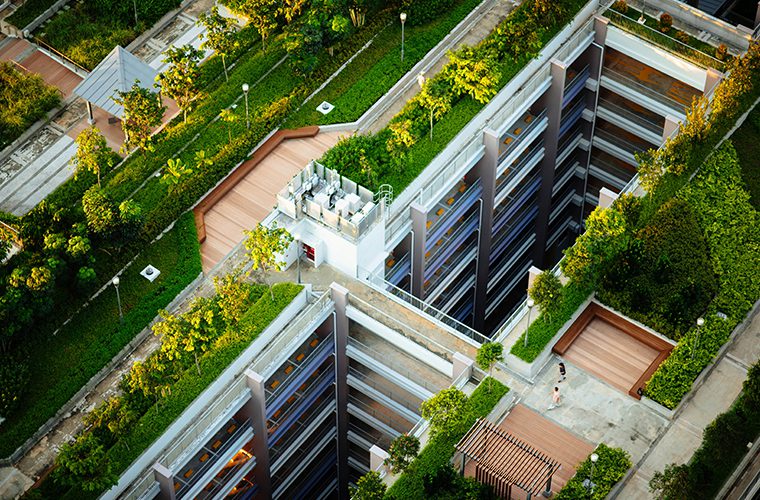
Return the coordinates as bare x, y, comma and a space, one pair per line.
531, 303
247, 120
403, 20
297, 238
589, 482
700, 322
134, 4
115, 282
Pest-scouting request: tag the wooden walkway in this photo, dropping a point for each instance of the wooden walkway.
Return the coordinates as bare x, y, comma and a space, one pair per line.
611, 354
255, 196
550, 439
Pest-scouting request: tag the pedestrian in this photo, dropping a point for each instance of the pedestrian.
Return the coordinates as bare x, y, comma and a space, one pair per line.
562, 373
555, 399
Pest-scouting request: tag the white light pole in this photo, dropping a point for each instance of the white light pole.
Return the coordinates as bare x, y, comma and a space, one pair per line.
134, 4
531, 303
403, 20
247, 120
115, 282
700, 322
297, 238
588, 483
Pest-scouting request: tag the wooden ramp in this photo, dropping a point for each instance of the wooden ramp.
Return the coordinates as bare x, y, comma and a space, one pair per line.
549, 438
611, 354
251, 200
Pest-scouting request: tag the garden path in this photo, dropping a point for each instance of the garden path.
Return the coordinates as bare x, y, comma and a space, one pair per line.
683, 434
497, 12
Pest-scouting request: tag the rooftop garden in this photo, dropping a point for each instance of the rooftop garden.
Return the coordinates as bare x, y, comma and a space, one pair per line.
196, 347
98, 221
430, 474
724, 445
689, 248
610, 467
662, 32
448, 101
24, 99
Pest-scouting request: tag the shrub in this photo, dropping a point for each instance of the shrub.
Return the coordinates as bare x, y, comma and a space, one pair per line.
369, 487
24, 99
547, 292
620, 6
666, 22
683, 37
610, 468
14, 375
445, 411
721, 52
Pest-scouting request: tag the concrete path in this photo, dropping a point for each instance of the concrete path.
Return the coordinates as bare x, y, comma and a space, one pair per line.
683, 435
497, 13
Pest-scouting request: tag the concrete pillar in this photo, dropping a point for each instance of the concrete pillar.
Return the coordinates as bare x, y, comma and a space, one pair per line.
419, 234
255, 409
461, 364
485, 169
606, 197
165, 480
671, 125
377, 457
549, 163
713, 79
600, 29
533, 273
339, 295
90, 116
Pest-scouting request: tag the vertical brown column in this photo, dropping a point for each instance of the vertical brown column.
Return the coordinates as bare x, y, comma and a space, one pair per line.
255, 409
486, 170
339, 295
419, 234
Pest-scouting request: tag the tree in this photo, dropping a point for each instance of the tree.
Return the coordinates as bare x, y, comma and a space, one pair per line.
672, 484
401, 452
99, 211
473, 72
14, 375
92, 153
488, 354
229, 117
220, 35
446, 411
547, 292
181, 79
84, 464
142, 112
262, 14
192, 331
436, 97
369, 487
264, 245
233, 297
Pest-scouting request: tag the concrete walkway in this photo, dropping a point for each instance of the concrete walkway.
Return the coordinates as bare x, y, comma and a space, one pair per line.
683, 435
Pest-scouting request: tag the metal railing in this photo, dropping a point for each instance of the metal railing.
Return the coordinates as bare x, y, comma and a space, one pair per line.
631, 116
385, 391
435, 189
629, 81
325, 344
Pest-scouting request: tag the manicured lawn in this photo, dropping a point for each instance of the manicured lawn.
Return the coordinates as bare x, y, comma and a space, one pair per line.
378, 68
62, 363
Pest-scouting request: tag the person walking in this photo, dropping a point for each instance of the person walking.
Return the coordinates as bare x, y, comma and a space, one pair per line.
556, 400
562, 373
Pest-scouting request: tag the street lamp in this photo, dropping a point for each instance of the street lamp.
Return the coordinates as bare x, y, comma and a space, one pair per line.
700, 322
403, 20
589, 482
134, 4
297, 238
247, 120
115, 282
531, 303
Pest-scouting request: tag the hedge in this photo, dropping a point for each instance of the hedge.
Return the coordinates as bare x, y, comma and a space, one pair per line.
747, 142
65, 362
612, 465
440, 449
724, 441
732, 229
544, 328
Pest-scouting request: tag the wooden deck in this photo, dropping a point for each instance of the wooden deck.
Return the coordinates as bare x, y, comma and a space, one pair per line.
551, 439
548, 438
611, 354
251, 200
608, 345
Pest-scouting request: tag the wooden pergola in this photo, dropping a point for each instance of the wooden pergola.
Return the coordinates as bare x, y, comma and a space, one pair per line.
503, 461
